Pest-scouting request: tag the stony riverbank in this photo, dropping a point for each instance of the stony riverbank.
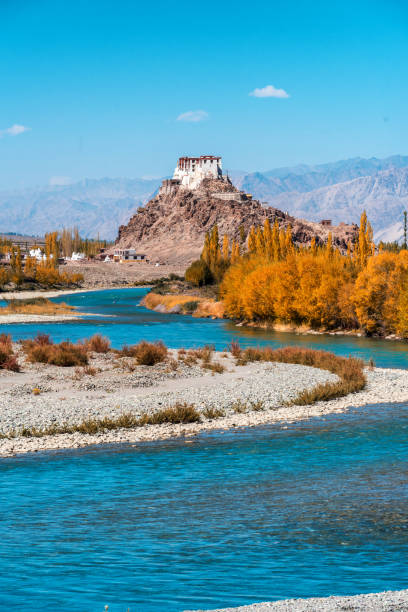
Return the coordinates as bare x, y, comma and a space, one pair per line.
238, 396
10, 319
386, 601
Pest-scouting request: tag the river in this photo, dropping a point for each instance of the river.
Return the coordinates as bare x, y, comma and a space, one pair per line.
123, 320
310, 509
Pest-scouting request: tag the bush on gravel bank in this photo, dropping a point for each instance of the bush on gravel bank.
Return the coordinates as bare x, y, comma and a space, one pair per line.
349, 369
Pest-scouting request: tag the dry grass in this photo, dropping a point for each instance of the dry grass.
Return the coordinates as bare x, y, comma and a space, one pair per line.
213, 413
65, 354
348, 369
189, 360
98, 344
145, 353
195, 305
180, 413
8, 360
210, 308
234, 349
90, 371
172, 365
152, 300
177, 414
36, 306
149, 353
239, 407
216, 367
205, 353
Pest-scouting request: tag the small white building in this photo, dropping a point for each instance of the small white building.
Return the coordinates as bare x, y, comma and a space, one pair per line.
190, 171
37, 254
122, 255
77, 256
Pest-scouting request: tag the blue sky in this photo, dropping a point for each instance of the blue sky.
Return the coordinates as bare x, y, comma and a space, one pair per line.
110, 88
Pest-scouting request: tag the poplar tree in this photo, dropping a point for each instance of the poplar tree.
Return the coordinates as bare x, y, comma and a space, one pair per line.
225, 249
252, 240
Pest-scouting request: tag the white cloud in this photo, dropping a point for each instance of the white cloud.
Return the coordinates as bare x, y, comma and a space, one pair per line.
193, 116
60, 180
14, 130
269, 92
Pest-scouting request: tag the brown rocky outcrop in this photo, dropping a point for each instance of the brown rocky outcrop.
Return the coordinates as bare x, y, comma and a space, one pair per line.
171, 227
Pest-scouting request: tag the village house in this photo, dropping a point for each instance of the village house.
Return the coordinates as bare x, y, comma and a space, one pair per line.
124, 255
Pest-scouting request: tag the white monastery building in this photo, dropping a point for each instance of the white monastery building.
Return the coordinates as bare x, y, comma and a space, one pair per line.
190, 171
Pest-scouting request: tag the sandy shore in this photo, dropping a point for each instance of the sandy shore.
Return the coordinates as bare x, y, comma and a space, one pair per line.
68, 395
35, 318
386, 601
28, 295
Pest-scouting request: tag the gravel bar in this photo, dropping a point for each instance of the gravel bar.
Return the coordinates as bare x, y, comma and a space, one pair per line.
261, 389
387, 601
269, 384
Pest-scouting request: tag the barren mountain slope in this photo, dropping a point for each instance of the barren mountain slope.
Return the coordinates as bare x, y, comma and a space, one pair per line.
171, 228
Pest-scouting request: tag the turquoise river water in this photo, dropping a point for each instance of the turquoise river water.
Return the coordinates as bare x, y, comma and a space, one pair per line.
308, 509
124, 321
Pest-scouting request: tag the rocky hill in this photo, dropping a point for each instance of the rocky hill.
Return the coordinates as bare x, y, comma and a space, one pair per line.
171, 228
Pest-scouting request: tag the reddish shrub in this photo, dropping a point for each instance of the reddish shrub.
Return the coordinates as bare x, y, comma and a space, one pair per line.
235, 349
98, 344
6, 342
148, 353
43, 339
64, 354
11, 364
8, 360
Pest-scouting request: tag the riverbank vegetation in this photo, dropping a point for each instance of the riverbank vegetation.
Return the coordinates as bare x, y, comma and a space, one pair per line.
8, 360
197, 306
179, 413
350, 370
32, 273
37, 306
273, 282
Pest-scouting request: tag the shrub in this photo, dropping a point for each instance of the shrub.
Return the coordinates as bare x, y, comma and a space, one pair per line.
90, 371
6, 342
43, 339
11, 364
67, 354
235, 349
214, 367
180, 413
348, 369
64, 354
205, 353
98, 344
199, 273
149, 353
190, 307
8, 360
239, 407
213, 413
127, 351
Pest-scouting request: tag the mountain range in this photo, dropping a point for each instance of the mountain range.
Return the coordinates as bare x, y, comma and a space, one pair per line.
339, 191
